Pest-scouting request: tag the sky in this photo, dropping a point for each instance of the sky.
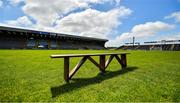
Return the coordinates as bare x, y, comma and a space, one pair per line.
116, 20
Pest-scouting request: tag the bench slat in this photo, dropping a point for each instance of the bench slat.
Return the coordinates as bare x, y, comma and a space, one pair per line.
81, 55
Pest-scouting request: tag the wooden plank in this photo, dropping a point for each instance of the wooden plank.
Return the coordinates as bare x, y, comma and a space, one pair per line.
124, 60
76, 68
102, 59
81, 55
118, 59
66, 69
94, 62
109, 60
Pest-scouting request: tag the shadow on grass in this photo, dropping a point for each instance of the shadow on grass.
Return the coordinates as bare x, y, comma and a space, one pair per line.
81, 82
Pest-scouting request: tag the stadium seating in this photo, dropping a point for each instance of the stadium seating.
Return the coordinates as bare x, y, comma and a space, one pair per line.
31, 43
169, 47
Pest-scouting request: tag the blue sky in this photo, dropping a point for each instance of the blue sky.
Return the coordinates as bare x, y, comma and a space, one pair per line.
116, 20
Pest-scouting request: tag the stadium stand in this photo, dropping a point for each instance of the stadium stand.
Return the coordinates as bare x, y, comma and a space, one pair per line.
168, 45
16, 38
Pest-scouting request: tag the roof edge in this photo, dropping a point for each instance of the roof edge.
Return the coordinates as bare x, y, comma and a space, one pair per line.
31, 30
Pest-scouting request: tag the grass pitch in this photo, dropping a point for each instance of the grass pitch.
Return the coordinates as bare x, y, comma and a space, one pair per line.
31, 75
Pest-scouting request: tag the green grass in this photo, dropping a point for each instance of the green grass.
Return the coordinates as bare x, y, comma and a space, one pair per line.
30, 75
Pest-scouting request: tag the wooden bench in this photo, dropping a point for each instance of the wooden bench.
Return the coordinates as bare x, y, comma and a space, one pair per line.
102, 65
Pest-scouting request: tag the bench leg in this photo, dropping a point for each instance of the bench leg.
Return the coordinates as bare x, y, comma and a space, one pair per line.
124, 61
66, 69
102, 63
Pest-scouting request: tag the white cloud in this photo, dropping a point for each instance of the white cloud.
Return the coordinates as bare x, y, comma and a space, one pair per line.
89, 22
92, 22
100, 1
175, 36
175, 15
150, 28
21, 21
1, 3
46, 12
141, 31
15, 2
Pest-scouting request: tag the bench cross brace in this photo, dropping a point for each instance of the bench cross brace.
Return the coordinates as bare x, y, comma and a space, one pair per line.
102, 65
